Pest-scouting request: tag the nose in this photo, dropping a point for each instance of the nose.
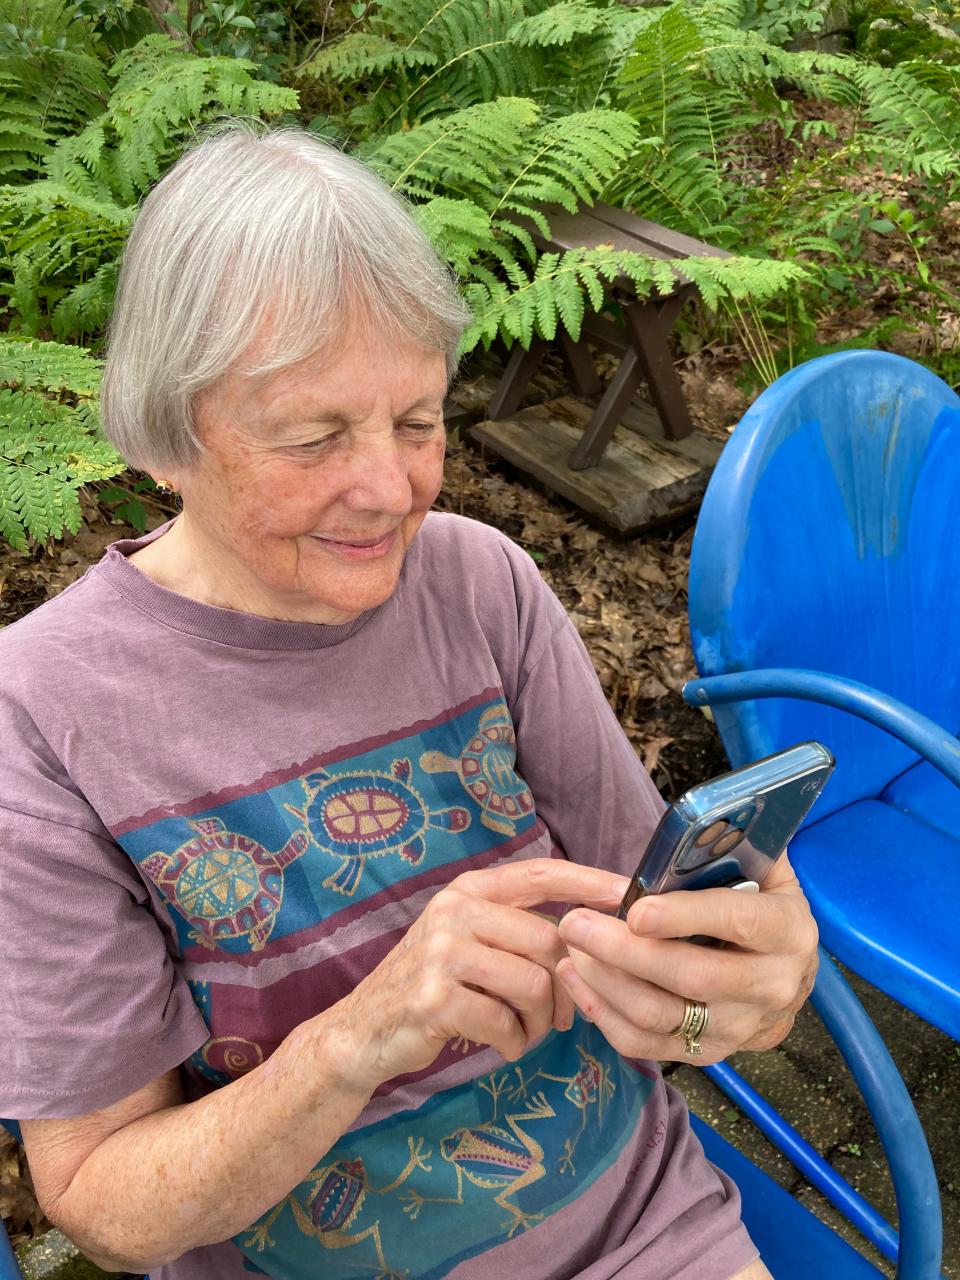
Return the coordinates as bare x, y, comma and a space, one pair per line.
378, 478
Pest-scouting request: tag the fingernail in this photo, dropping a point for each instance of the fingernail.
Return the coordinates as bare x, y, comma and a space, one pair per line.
645, 915
575, 929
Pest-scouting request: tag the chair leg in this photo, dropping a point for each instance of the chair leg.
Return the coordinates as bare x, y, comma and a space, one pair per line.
648, 324
599, 430
9, 1269
512, 387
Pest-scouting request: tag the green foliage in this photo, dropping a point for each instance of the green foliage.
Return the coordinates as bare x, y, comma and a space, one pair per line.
781, 21
417, 58
488, 116
51, 81
445, 56
893, 31
242, 29
49, 438
64, 233
560, 287
915, 112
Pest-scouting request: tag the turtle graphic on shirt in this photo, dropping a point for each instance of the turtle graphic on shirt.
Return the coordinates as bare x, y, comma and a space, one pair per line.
368, 814
486, 771
227, 885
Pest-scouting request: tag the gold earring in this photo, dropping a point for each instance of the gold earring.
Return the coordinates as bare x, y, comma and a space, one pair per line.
164, 486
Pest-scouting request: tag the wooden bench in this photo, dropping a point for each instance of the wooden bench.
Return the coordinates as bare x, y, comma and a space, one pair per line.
643, 346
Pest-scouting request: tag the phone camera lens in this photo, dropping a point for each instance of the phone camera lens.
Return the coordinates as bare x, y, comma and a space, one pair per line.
727, 842
713, 832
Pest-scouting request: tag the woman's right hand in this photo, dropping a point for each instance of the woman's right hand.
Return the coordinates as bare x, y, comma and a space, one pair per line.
477, 964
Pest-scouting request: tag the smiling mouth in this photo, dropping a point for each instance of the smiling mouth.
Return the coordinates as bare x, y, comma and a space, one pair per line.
355, 542
358, 546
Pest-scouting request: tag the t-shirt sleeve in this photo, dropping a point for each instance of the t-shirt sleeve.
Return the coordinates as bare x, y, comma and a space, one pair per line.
93, 1005
590, 787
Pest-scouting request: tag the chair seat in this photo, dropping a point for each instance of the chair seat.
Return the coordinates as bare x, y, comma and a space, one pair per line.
792, 1242
925, 794
884, 887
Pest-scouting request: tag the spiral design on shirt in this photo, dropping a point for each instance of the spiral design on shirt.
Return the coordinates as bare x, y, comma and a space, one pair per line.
232, 1055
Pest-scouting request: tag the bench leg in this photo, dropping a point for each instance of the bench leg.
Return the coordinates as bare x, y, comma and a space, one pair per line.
512, 387
586, 381
607, 415
648, 324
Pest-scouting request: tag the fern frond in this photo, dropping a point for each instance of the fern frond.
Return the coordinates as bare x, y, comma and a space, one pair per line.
27, 365
361, 53
499, 156
559, 24
567, 162
916, 110
460, 154
463, 234
581, 73
49, 441
161, 95
63, 235
560, 287
59, 242
666, 88
435, 56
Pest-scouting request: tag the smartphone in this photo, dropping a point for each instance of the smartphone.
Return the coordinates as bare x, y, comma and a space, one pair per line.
730, 831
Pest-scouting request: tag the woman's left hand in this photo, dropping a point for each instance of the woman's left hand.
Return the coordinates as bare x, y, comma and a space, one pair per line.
632, 978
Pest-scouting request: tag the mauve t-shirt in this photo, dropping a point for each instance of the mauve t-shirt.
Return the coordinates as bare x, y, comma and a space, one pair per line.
213, 825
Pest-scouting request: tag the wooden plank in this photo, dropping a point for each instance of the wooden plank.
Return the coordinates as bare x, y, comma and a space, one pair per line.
672, 244
639, 481
581, 231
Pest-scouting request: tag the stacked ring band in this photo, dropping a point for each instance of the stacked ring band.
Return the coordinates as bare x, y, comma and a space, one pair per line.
696, 1015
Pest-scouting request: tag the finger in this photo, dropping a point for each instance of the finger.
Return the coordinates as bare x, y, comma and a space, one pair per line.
627, 1039
526, 987
781, 877
685, 968
536, 880
766, 923
643, 1005
563, 1006
486, 1020
454, 916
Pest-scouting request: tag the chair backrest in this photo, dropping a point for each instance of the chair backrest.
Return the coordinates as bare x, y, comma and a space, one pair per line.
826, 541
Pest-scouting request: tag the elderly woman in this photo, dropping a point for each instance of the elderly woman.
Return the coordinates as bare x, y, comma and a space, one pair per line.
293, 789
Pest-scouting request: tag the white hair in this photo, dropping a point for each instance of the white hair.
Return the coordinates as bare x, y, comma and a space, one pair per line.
258, 234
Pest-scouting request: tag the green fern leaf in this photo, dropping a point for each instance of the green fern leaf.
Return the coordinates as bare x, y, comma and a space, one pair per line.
559, 24
49, 438
360, 54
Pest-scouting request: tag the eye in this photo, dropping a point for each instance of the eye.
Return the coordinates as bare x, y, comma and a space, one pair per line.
421, 428
318, 445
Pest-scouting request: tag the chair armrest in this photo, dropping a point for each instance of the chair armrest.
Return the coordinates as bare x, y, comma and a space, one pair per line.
917, 731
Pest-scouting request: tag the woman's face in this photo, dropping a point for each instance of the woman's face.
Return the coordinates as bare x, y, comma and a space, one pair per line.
314, 480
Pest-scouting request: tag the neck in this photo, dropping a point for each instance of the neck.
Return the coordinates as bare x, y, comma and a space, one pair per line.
183, 561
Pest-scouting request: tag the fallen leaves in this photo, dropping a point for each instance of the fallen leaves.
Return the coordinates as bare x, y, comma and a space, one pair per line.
18, 1205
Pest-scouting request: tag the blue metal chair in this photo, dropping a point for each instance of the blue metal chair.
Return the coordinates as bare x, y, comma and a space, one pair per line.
820, 575
822, 584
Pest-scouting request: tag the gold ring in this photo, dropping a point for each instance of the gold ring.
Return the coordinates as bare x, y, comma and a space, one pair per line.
692, 1026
